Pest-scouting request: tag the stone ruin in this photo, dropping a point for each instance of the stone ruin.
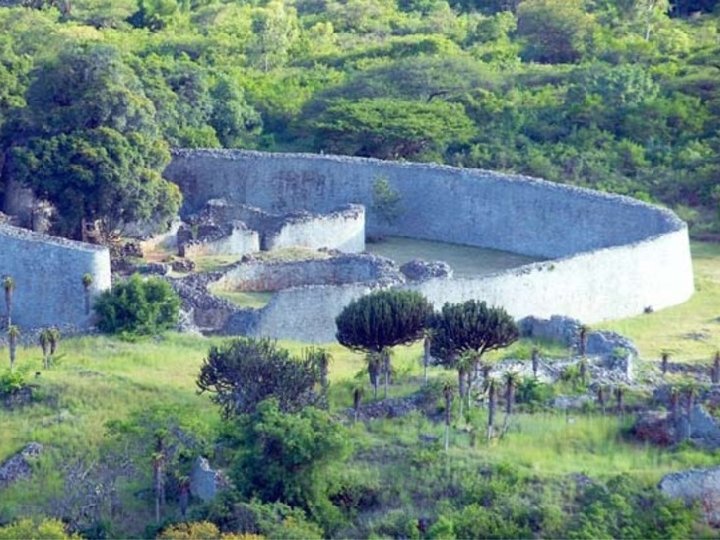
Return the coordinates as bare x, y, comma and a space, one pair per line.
223, 228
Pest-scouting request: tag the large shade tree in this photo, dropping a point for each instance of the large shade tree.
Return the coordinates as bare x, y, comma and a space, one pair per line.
88, 143
380, 320
463, 333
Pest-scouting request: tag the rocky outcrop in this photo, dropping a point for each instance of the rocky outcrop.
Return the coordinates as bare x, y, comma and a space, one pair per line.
19, 466
205, 482
419, 270
665, 428
696, 486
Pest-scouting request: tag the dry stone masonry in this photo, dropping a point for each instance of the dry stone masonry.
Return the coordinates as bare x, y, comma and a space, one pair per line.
609, 256
48, 274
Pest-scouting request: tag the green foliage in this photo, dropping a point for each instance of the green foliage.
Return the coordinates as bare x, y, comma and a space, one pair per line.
287, 457
389, 128
533, 393
138, 306
39, 529
11, 381
383, 319
386, 200
243, 372
471, 326
89, 143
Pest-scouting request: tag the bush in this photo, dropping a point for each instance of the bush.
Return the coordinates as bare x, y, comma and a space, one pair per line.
138, 306
11, 382
28, 529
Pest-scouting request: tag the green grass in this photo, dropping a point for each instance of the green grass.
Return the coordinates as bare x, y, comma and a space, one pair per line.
690, 331
255, 300
212, 263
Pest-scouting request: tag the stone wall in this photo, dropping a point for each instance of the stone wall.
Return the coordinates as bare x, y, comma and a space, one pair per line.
612, 256
231, 239
48, 274
342, 228
278, 275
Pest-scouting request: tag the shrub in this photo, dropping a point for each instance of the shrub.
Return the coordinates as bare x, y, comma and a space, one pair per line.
138, 306
11, 382
28, 529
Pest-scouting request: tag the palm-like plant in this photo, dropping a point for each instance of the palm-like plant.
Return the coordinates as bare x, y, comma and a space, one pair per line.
715, 376
448, 395
357, 393
582, 339
492, 403
13, 335
8, 284
535, 358
54, 335
87, 281
44, 339
664, 361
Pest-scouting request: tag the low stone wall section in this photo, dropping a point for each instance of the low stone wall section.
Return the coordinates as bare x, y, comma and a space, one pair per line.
48, 273
342, 228
277, 275
232, 238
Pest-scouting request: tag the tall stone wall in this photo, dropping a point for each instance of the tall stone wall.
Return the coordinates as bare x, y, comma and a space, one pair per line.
48, 275
612, 256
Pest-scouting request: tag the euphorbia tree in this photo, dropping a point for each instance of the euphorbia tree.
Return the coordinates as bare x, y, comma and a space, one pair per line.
380, 320
463, 333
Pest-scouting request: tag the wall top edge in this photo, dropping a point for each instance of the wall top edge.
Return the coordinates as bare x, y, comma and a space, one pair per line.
673, 222
30, 236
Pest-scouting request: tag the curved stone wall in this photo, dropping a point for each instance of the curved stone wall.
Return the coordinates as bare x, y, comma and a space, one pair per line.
48, 274
612, 256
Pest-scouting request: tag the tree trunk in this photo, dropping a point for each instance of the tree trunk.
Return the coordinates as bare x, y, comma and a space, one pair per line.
374, 371
535, 362
448, 413
491, 409
601, 398
619, 398
664, 362
716, 369
509, 397
12, 345
386, 366
461, 388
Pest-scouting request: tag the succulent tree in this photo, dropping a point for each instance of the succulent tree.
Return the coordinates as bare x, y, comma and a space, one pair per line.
715, 375
381, 320
535, 358
463, 333
582, 339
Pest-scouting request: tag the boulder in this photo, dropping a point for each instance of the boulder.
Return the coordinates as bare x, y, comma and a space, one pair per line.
655, 427
204, 481
696, 486
19, 467
419, 270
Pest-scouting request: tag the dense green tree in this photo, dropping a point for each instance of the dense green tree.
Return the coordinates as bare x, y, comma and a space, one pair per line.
89, 144
245, 371
138, 306
287, 457
388, 128
555, 31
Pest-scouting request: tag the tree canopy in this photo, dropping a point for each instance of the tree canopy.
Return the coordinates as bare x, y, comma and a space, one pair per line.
383, 319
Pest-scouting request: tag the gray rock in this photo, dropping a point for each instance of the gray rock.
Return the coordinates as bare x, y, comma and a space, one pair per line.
204, 481
159, 269
419, 270
19, 466
557, 328
608, 344
696, 486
